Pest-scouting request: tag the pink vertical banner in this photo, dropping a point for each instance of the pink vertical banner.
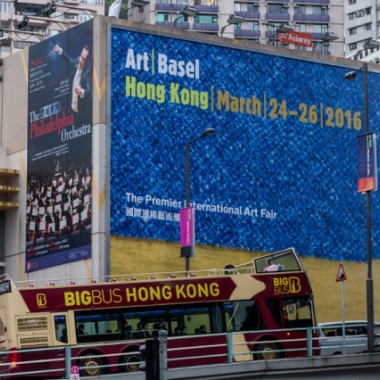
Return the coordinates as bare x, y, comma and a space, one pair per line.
187, 231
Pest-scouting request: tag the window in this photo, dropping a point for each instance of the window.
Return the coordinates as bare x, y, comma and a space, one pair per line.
249, 7
243, 316
351, 2
320, 10
352, 46
162, 17
277, 8
98, 326
252, 7
322, 28
297, 312
300, 10
60, 328
300, 27
22, 44
252, 25
84, 18
6, 7
206, 19
352, 31
5, 50
360, 13
206, 2
92, 2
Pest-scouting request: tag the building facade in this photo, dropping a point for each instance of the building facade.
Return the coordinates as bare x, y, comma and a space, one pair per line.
350, 22
361, 24
26, 22
261, 21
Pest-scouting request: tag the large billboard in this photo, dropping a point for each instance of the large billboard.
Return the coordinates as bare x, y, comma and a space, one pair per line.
58, 209
281, 169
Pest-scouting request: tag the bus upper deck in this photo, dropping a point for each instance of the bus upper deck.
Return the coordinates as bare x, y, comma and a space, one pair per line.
281, 261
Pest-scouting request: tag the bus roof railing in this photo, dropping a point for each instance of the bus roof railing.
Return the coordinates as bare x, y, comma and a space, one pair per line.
285, 260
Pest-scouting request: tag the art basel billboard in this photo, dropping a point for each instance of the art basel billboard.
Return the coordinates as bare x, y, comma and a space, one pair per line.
281, 169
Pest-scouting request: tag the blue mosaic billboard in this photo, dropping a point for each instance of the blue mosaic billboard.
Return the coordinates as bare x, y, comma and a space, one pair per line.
281, 169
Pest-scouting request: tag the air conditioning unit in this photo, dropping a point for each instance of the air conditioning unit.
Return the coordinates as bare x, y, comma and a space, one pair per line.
296, 5
285, 5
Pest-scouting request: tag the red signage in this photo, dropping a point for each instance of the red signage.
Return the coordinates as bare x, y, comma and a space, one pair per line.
341, 276
97, 296
296, 38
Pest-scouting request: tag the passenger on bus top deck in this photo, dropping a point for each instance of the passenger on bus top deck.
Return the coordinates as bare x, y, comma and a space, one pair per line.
274, 268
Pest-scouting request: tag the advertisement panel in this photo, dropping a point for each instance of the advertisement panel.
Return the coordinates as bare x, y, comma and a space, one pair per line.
296, 38
58, 208
281, 169
367, 173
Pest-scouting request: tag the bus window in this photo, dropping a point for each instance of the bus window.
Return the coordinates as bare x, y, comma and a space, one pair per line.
60, 328
217, 319
243, 316
96, 326
278, 262
140, 324
195, 320
297, 312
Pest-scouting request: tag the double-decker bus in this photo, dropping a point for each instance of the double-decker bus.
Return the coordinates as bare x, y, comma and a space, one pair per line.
264, 304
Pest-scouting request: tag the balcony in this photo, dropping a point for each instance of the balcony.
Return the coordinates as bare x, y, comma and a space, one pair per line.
179, 25
179, 7
169, 7
246, 33
312, 18
249, 15
317, 36
277, 16
207, 8
312, 2
197, 27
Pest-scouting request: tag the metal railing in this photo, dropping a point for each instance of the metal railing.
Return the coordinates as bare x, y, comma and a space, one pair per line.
227, 349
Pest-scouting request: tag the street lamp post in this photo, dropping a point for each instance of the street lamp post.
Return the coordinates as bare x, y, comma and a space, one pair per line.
232, 20
186, 12
369, 282
370, 317
207, 132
